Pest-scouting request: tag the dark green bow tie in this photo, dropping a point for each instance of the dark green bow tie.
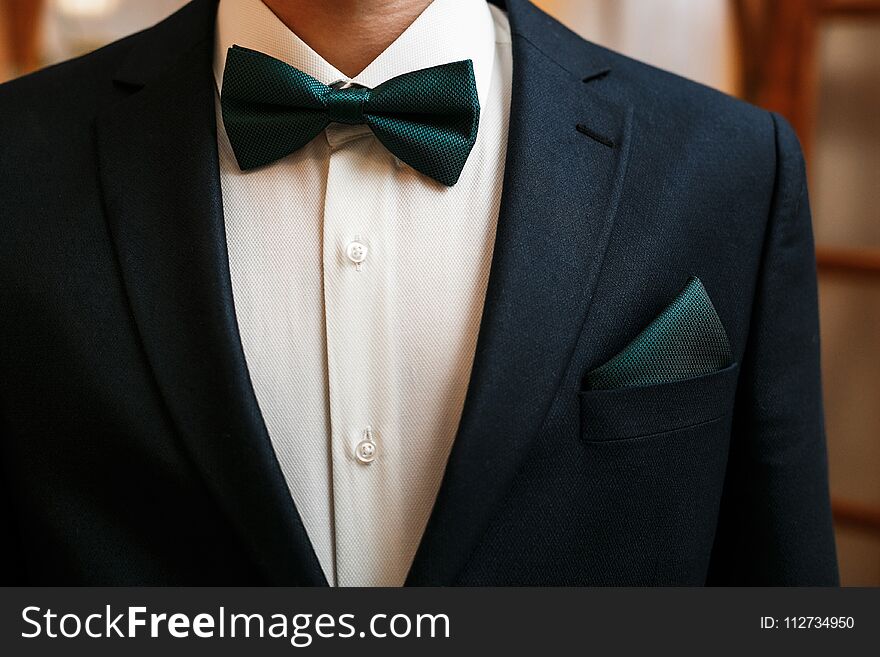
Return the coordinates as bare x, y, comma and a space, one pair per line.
426, 118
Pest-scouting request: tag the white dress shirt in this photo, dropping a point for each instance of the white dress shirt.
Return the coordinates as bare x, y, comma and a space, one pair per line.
359, 286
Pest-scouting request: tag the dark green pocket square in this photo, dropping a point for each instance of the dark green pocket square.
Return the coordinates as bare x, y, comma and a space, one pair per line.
685, 341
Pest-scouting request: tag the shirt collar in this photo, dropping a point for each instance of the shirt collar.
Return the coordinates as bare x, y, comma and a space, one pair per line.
447, 31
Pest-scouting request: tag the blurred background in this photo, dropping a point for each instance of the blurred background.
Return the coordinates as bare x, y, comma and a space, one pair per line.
815, 61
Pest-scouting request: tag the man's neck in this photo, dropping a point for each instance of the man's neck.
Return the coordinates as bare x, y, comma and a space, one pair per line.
349, 34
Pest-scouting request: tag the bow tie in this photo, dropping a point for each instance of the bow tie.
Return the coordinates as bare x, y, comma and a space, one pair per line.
427, 118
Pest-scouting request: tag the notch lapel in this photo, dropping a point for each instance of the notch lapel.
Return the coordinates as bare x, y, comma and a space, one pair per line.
159, 174
561, 190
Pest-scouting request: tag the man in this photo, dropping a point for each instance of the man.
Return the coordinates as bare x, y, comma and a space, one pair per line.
375, 293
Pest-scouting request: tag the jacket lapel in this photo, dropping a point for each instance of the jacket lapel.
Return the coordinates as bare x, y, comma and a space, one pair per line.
561, 188
159, 173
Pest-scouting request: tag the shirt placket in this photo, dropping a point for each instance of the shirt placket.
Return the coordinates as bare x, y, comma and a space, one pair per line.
356, 311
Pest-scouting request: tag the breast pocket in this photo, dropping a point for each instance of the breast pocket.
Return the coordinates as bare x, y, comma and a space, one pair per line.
623, 413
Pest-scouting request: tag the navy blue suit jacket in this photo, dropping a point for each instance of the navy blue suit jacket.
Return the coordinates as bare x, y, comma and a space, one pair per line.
133, 450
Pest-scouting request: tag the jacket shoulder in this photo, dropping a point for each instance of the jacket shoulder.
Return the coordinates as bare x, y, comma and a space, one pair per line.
82, 86
661, 98
64, 89
664, 97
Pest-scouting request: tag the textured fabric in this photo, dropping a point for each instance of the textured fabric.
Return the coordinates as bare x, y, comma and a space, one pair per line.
133, 450
427, 118
686, 340
332, 348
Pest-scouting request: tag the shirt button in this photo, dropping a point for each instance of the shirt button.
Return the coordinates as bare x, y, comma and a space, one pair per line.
365, 450
356, 252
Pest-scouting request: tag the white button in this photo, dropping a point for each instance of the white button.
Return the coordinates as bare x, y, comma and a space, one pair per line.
356, 252
365, 450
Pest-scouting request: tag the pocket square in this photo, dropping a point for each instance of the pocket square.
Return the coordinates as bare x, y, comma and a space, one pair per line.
685, 341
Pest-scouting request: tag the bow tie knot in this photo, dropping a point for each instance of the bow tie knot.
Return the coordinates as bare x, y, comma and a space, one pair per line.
346, 105
427, 118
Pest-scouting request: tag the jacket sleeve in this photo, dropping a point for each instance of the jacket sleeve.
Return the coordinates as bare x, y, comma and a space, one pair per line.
775, 525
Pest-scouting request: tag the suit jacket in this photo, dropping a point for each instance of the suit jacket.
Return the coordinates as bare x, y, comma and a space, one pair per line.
133, 449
